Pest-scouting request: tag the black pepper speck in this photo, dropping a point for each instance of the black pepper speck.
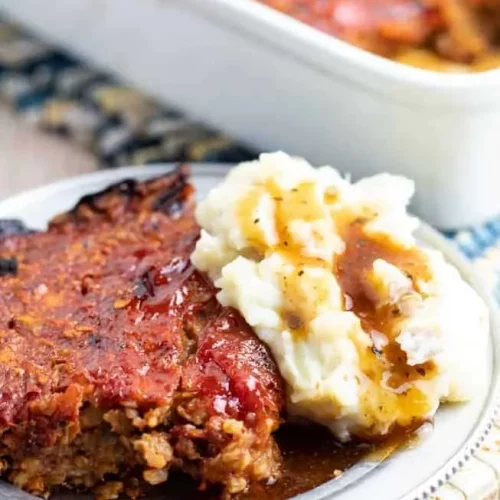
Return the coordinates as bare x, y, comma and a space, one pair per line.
8, 266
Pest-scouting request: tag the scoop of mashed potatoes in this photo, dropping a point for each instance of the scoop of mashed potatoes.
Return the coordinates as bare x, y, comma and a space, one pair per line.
370, 331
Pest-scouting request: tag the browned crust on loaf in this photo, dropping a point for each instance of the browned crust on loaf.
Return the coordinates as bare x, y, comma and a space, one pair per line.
116, 361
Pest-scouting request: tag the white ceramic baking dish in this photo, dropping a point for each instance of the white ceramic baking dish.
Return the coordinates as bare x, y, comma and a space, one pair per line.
278, 84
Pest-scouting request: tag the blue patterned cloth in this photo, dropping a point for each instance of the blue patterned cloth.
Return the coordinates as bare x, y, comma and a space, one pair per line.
481, 244
121, 126
476, 241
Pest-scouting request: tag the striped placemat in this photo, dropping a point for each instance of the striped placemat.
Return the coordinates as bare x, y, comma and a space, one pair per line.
482, 245
479, 478
121, 126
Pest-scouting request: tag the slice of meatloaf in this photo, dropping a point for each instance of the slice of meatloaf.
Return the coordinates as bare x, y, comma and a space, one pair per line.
117, 363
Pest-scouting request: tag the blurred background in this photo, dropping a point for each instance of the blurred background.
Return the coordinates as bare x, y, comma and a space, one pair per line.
60, 117
112, 76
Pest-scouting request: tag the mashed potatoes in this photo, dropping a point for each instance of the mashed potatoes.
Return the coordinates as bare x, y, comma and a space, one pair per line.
369, 330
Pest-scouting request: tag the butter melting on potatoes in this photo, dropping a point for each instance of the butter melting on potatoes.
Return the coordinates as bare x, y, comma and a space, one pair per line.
8, 266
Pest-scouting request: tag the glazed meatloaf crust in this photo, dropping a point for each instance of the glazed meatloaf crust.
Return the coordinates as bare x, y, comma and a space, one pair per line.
117, 364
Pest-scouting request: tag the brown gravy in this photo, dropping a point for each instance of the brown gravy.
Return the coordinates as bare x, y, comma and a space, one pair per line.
311, 457
388, 366
351, 270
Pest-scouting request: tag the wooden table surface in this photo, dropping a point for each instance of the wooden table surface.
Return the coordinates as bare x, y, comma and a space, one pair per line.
30, 158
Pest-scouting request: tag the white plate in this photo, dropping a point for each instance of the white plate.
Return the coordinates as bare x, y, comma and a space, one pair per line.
410, 474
